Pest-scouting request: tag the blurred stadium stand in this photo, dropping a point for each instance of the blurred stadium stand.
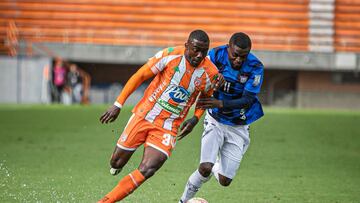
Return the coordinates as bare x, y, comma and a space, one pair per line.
311, 48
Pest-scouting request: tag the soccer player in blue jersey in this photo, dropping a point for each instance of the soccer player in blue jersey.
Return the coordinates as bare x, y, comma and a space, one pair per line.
229, 112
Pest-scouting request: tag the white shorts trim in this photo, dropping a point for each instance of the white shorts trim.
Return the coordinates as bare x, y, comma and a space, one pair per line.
158, 148
125, 148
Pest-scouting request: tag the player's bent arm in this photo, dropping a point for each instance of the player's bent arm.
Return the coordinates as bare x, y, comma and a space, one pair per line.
247, 99
143, 74
134, 82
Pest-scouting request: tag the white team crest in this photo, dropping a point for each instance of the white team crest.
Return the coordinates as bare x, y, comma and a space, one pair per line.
243, 78
123, 137
257, 80
197, 81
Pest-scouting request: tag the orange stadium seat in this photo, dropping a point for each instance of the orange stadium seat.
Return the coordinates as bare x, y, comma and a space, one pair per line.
347, 25
273, 24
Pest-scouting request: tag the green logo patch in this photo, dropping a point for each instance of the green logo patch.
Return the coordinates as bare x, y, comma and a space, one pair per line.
169, 107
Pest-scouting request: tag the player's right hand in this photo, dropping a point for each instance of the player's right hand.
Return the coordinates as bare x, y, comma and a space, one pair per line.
110, 115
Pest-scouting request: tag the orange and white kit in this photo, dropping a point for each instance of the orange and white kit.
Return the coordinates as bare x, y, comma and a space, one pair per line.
167, 99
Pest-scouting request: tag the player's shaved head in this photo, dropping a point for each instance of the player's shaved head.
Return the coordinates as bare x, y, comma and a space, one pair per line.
241, 40
238, 49
199, 35
196, 47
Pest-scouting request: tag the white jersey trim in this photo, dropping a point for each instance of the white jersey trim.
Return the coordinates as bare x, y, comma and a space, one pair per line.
160, 65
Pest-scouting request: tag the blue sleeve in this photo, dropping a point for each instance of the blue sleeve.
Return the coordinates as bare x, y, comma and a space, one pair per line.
247, 99
212, 56
256, 78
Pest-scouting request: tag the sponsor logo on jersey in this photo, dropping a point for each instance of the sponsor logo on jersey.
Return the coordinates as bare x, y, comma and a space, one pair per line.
169, 107
157, 90
178, 94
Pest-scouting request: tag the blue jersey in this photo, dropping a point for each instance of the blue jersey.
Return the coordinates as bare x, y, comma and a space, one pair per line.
249, 78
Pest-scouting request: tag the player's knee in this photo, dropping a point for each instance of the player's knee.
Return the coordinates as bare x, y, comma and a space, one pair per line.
147, 170
224, 181
205, 169
116, 163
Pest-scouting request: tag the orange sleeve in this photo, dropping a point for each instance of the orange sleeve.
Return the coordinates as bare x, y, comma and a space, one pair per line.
198, 113
153, 66
143, 74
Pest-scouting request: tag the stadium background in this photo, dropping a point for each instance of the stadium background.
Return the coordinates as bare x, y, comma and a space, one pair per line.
306, 152
310, 48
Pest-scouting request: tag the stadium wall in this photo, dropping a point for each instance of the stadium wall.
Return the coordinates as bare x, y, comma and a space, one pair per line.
22, 80
317, 89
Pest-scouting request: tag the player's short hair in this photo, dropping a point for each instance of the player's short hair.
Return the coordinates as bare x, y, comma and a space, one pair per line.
241, 40
199, 35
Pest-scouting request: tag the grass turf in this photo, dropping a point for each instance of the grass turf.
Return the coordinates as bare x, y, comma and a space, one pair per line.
61, 154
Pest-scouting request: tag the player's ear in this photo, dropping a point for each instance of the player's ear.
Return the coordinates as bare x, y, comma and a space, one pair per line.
186, 45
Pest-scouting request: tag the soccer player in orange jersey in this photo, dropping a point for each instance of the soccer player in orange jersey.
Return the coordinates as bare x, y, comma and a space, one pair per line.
181, 74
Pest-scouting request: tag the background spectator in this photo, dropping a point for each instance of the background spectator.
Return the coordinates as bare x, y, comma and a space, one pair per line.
59, 79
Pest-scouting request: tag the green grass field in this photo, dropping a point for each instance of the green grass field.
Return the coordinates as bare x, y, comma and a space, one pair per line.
61, 154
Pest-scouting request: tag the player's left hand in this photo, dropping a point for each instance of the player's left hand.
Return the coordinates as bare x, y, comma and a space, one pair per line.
209, 103
220, 80
187, 127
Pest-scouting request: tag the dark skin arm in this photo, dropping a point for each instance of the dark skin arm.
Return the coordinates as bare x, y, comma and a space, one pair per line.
187, 127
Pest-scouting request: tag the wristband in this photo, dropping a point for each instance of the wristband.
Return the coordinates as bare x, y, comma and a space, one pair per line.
117, 104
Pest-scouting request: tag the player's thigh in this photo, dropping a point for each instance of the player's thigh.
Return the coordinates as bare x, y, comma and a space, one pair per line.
228, 165
211, 141
152, 160
235, 145
120, 157
158, 145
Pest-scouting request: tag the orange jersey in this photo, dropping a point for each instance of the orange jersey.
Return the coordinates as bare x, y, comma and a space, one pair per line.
175, 88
